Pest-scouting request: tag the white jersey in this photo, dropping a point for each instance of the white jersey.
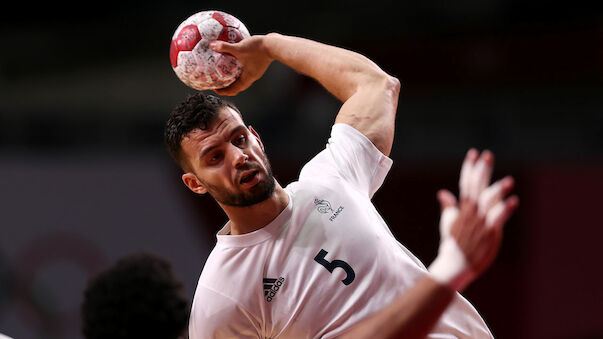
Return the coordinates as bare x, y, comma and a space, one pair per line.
327, 261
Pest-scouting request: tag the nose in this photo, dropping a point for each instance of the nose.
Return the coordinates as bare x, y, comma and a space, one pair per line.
240, 158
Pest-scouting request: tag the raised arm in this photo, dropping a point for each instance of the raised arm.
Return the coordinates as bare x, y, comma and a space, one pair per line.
470, 236
369, 95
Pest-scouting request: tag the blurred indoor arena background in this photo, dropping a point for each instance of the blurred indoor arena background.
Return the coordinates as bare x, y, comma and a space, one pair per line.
84, 178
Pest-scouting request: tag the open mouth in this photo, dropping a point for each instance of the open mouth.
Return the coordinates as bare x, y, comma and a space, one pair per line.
249, 178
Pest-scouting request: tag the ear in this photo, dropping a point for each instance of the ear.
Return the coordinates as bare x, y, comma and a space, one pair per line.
193, 183
257, 136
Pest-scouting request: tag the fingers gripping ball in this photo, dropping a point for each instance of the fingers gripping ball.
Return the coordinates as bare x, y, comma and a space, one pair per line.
194, 62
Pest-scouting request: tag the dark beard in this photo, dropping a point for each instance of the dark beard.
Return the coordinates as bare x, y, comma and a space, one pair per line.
260, 192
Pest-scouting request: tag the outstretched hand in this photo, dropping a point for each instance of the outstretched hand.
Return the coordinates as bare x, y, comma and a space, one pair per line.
471, 232
252, 54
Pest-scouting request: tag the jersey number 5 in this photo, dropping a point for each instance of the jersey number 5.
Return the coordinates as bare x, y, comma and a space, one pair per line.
330, 266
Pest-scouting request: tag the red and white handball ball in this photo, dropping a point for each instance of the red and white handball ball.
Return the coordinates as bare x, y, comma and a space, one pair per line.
194, 62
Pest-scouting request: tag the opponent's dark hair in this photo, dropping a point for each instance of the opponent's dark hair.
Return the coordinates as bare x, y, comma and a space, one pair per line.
196, 111
138, 297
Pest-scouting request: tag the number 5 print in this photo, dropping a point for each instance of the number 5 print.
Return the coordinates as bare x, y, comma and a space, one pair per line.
330, 266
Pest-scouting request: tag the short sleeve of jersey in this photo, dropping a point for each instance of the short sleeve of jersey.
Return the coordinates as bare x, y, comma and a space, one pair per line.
352, 157
220, 318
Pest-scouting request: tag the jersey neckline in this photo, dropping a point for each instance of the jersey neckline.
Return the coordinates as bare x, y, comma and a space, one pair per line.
271, 230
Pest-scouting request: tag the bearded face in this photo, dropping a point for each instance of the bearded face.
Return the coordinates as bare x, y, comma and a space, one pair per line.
248, 173
227, 160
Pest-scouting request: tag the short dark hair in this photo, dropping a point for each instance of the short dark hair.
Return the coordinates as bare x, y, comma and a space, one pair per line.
196, 111
138, 297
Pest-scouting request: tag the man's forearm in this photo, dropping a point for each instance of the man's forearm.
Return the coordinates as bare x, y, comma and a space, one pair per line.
411, 315
369, 95
339, 70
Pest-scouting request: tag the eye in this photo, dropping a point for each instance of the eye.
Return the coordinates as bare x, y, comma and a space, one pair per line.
215, 157
240, 140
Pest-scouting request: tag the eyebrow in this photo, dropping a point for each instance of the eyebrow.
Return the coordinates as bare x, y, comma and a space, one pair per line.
210, 148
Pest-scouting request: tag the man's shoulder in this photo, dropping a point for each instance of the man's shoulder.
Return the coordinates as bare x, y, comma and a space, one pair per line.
219, 259
314, 184
230, 264
322, 167
220, 281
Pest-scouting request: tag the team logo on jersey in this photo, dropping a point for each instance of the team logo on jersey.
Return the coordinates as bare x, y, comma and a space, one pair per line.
324, 207
271, 286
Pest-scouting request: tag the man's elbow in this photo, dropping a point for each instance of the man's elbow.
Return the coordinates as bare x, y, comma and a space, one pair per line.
377, 79
389, 89
392, 85
390, 101
386, 84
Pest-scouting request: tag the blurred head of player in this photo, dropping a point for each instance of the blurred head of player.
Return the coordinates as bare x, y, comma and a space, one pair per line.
138, 297
206, 135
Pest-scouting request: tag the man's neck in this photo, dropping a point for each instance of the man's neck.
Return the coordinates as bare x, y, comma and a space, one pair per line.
251, 218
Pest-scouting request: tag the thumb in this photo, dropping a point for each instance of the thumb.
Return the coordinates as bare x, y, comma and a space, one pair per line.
222, 46
450, 212
446, 199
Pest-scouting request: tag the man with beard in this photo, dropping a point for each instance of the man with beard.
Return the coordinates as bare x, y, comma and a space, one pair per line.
315, 259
